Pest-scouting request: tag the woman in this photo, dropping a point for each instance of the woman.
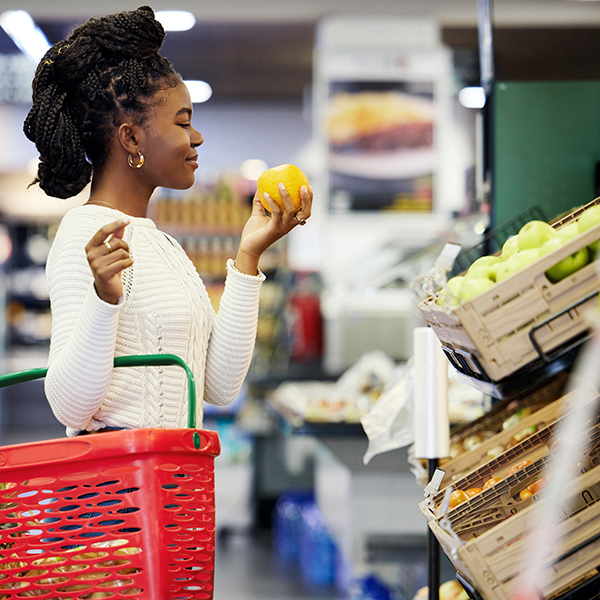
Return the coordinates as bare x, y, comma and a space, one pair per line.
108, 108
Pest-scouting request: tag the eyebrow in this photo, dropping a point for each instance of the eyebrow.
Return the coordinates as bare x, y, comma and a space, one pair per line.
185, 110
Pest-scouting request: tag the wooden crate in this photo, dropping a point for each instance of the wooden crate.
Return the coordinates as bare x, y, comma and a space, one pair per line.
489, 336
466, 462
491, 563
483, 511
492, 423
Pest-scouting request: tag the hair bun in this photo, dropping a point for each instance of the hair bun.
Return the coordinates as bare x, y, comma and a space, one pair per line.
131, 34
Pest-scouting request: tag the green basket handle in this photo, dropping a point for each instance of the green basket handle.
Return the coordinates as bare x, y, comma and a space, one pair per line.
143, 360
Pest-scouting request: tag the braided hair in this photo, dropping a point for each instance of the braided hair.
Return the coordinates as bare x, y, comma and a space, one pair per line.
109, 68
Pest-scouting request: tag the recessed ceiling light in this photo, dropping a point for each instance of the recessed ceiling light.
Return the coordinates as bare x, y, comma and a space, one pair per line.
26, 35
175, 20
472, 97
200, 91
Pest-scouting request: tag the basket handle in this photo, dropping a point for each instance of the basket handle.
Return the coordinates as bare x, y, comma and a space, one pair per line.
143, 360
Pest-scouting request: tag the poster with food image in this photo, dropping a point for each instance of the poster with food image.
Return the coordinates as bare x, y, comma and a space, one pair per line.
381, 146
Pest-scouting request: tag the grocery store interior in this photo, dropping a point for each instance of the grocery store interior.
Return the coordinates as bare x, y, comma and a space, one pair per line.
434, 133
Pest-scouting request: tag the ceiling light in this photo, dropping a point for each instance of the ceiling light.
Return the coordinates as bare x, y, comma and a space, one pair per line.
26, 35
200, 91
472, 97
250, 169
175, 20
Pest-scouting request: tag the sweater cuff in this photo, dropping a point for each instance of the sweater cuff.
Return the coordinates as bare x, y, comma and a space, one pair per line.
103, 302
231, 268
96, 311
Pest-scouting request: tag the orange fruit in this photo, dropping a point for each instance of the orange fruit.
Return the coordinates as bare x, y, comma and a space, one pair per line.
291, 176
538, 485
518, 466
490, 482
457, 497
473, 491
524, 494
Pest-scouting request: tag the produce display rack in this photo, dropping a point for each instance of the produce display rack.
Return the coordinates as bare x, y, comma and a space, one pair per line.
484, 536
525, 326
291, 422
588, 590
510, 342
467, 461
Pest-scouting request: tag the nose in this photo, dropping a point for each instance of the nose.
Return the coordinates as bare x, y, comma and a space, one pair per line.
196, 139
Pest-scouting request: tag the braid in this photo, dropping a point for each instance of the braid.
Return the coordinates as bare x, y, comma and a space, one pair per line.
107, 69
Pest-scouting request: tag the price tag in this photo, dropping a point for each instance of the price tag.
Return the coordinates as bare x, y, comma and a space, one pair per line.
434, 484
447, 256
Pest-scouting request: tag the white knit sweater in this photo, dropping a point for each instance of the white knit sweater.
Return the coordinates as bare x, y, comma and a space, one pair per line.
165, 309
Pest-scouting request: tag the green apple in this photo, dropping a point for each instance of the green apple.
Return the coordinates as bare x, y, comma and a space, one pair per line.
588, 219
567, 265
484, 261
516, 262
470, 288
487, 272
510, 247
553, 244
451, 289
569, 231
534, 234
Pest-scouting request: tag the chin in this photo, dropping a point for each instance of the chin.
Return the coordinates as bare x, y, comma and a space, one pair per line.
182, 185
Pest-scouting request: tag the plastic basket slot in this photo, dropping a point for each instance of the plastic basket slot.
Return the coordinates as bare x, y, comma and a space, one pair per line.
88, 496
515, 313
93, 576
110, 502
129, 490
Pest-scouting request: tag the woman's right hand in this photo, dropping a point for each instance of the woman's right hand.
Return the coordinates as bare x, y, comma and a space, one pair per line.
108, 254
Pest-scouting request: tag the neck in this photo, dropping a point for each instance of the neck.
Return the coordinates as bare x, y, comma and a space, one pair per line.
121, 193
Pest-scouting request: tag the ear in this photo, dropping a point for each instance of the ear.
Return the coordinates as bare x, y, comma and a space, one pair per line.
128, 135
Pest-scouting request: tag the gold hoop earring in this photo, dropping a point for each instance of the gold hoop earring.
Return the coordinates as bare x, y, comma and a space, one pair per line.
140, 163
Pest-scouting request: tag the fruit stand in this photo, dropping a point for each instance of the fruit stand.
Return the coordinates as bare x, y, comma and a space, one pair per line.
517, 319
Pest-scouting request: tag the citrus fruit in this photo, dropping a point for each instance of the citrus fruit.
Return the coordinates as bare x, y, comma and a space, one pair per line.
291, 176
457, 497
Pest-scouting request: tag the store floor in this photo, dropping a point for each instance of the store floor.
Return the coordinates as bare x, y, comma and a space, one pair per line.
247, 569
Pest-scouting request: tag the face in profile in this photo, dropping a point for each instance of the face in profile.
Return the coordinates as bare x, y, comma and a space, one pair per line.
169, 140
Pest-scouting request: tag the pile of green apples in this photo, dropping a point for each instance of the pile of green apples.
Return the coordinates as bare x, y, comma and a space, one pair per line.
534, 240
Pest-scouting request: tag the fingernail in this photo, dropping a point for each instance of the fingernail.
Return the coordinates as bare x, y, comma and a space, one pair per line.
267, 197
281, 187
125, 221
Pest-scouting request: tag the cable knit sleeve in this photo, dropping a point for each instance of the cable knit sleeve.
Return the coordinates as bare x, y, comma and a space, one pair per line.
84, 328
233, 336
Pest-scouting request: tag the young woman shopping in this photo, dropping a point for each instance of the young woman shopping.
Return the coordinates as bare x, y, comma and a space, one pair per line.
107, 108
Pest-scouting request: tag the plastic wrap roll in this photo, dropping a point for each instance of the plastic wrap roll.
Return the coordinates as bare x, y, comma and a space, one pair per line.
432, 426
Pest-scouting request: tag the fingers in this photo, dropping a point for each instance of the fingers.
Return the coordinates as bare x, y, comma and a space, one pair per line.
114, 229
108, 254
289, 216
288, 203
306, 197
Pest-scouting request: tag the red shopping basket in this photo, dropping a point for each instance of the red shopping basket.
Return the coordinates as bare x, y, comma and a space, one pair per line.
124, 514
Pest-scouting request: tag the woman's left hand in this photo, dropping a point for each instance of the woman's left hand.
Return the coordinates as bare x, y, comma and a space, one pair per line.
261, 230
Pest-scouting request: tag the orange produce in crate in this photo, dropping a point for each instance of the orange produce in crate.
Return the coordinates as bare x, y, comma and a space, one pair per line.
457, 497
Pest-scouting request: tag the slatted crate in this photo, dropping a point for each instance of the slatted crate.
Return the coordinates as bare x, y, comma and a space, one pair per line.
490, 428
474, 517
491, 563
523, 319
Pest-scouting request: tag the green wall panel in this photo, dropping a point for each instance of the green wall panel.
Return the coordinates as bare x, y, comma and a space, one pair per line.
546, 144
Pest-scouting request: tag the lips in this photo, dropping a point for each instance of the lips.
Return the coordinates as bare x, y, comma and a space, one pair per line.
193, 160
